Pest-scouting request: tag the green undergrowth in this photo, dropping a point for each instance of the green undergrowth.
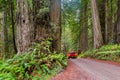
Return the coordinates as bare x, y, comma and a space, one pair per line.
39, 64
106, 52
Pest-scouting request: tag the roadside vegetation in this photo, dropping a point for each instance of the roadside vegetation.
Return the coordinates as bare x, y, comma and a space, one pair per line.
35, 65
73, 25
106, 52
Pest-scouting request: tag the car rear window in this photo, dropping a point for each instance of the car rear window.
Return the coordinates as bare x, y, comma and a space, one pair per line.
72, 52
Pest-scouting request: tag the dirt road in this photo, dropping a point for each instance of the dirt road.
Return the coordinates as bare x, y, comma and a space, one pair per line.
88, 69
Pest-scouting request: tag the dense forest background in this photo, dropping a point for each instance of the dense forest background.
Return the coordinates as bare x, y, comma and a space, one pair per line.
33, 33
83, 24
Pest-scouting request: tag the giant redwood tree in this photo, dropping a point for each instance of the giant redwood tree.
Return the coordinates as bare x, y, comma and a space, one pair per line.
110, 21
41, 19
55, 16
102, 12
97, 35
13, 25
23, 27
84, 28
37, 27
4, 33
118, 23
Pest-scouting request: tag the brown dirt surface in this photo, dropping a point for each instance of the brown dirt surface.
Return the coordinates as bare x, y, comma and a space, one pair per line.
89, 69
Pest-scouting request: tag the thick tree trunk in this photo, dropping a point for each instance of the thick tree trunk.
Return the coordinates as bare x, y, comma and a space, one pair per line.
23, 27
118, 23
84, 31
115, 25
102, 11
97, 35
4, 34
109, 22
55, 16
41, 21
36, 8
13, 29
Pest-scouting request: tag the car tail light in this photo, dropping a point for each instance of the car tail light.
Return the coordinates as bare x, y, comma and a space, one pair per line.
75, 54
68, 54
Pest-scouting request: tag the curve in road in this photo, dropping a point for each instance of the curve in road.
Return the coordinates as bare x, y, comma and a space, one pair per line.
87, 69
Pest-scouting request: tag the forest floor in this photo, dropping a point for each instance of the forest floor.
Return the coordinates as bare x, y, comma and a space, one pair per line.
89, 69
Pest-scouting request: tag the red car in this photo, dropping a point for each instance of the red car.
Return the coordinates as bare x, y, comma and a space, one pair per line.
72, 54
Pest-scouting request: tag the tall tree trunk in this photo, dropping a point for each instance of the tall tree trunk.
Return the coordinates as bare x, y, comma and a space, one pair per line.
13, 29
23, 27
115, 23
84, 30
102, 11
41, 21
55, 16
97, 35
109, 22
5, 34
118, 23
36, 8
